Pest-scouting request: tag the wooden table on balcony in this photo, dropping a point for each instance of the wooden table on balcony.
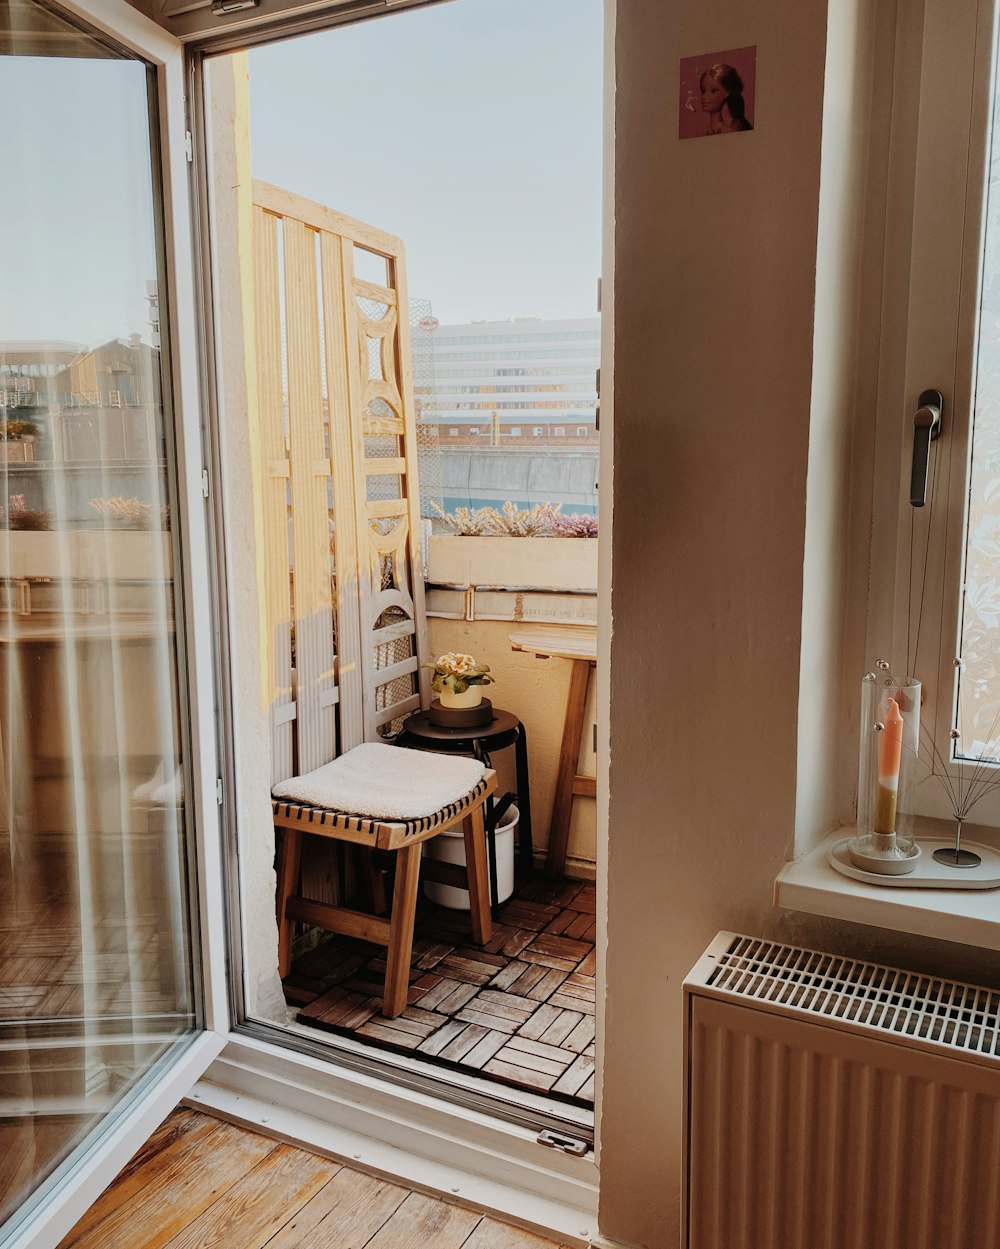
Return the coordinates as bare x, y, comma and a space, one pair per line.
578, 644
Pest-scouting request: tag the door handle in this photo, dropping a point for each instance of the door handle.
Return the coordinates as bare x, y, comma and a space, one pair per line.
926, 428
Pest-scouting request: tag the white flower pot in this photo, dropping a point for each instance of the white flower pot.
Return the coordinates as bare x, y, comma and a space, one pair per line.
450, 848
471, 697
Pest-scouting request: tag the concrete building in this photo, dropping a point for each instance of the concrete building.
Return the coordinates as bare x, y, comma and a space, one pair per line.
513, 408
521, 382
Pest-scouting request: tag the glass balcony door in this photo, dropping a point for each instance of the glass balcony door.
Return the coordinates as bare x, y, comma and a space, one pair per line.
100, 974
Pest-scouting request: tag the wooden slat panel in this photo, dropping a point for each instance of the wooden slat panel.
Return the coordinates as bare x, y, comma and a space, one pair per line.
394, 671
356, 383
371, 290
283, 203
405, 383
386, 468
313, 603
345, 534
276, 589
387, 714
386, 509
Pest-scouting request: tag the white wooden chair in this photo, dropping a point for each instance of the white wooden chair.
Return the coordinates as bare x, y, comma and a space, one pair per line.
345, 614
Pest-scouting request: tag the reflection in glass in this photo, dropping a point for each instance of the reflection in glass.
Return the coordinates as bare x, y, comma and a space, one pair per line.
95, 967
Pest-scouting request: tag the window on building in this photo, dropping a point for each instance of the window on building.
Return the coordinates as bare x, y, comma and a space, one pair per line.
559, 432
453, 432
514, 431
582, 431
537, 431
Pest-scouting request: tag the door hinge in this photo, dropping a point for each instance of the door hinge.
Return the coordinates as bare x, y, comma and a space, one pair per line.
204, 483
189, 146
564, 1143
218, 790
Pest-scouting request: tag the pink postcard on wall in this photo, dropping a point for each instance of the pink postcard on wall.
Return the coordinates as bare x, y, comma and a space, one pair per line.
718, 93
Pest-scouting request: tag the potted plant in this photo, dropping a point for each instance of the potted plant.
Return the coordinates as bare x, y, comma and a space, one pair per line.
458, 679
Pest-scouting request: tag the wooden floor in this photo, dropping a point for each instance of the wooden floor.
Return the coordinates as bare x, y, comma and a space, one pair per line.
200, 1183
519, 1011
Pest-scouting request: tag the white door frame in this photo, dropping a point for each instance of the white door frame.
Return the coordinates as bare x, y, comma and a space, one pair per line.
55, 1206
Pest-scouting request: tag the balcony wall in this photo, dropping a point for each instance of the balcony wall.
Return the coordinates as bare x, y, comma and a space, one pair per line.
550, 580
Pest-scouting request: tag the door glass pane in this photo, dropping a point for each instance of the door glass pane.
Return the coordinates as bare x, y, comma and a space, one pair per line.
96, 982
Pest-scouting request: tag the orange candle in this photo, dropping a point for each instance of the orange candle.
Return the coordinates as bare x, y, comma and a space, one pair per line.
889, 752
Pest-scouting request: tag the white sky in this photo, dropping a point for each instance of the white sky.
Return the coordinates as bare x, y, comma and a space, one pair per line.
471, 129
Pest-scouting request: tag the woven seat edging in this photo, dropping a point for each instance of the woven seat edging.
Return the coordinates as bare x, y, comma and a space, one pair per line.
328, 818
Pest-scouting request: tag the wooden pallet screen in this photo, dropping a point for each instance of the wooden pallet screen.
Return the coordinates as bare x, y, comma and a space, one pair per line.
343, 576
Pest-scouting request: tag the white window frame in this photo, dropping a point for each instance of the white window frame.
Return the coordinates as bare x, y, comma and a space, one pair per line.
51, 1211
931, 286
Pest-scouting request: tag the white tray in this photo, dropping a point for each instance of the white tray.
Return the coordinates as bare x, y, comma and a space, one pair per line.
929, 873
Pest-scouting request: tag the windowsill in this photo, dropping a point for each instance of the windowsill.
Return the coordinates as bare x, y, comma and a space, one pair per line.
966, 916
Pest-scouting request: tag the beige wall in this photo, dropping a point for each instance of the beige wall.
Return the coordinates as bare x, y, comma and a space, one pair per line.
743, 340
535, 691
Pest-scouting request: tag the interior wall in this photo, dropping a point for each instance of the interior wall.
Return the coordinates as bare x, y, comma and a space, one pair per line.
747, 350
715, 285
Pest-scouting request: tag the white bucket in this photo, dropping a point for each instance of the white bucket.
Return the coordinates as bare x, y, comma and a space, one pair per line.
450, 848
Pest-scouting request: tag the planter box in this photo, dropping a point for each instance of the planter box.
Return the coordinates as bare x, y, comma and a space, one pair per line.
86, 555
17, 450
520, 563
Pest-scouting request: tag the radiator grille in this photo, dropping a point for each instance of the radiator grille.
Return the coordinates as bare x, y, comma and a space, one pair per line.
877, 999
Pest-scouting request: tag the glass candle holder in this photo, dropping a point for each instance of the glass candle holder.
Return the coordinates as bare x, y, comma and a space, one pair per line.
890, 741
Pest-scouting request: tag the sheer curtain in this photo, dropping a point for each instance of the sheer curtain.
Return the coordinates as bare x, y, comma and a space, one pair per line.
95, 968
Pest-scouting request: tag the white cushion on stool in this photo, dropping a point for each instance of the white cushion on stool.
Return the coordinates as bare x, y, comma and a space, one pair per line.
383, 782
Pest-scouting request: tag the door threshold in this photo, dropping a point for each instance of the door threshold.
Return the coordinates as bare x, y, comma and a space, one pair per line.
402, 1133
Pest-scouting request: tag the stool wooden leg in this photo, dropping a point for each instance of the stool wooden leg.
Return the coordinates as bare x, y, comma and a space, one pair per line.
404, 911
289, 862
477, 867
569, 753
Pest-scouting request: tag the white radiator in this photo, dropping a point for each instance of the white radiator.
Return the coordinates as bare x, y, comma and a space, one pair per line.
835, 1104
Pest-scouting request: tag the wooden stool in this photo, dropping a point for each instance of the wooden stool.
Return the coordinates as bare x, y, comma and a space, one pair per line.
406, 839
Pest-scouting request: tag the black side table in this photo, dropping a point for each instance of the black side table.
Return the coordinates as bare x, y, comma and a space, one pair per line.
504, 730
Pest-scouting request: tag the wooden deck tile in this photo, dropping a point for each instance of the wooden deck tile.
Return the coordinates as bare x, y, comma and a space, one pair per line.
561, 1028
575, 1076
438, 1040
581, 1036
544, 986
523, 1077
468, 1039
484, 1049
506, 976
476, 1009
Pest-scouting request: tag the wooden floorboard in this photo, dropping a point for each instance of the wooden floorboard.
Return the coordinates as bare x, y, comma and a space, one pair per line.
468, 1007
200, 1183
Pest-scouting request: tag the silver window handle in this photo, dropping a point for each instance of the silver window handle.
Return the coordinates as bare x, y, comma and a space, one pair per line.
926, 428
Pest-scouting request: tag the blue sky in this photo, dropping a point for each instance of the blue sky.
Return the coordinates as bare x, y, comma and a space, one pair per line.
76, 212
471, 129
